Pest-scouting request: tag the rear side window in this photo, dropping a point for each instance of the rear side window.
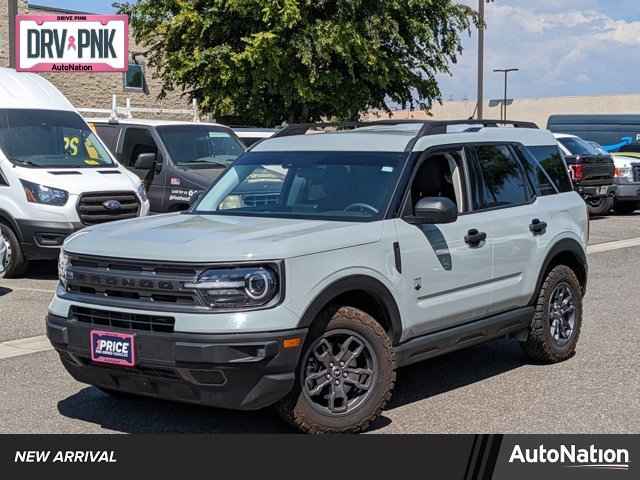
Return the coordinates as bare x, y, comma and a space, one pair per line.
109, 135
577, 146
550, 159
498, 178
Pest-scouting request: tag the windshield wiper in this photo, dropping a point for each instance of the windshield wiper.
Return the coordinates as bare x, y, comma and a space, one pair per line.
24, 162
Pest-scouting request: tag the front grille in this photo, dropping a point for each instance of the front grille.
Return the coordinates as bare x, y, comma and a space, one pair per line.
127, 321
636, 172
261, 200
133, 284
94, 207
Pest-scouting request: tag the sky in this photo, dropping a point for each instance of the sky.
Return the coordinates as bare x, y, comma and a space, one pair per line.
562, 47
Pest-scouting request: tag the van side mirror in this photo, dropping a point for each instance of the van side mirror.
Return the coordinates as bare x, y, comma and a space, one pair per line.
435, 210
145, 161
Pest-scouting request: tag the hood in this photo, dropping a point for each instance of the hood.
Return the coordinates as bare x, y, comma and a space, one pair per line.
201, 178
81, 180
218, 238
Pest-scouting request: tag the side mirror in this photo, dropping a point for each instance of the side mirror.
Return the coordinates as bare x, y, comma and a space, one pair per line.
145, 161
435, 210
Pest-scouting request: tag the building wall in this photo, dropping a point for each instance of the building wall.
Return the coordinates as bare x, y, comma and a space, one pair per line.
95, 90
529, 109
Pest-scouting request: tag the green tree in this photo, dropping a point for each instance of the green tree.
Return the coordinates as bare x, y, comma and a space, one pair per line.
269, 61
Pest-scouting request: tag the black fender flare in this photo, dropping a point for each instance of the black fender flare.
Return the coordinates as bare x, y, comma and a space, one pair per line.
365, 283
565, 245
9, 220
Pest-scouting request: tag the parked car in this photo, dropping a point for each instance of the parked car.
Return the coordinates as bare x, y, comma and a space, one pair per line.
614, 132
175, 160
56, 176
592, 172
385, 246
627, 178
250, 135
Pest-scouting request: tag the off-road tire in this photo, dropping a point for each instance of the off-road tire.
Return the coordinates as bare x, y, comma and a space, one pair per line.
625, 208
540, 345
17, 264
600, 208
298, 411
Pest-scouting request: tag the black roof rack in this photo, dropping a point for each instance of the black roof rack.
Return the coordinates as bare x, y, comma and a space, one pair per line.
429, 127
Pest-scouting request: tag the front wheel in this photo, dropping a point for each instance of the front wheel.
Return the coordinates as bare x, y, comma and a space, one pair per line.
346, 375
555, 328
15, 264
599, 206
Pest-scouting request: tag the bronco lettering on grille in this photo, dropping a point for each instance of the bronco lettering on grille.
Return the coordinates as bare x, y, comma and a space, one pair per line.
113, 281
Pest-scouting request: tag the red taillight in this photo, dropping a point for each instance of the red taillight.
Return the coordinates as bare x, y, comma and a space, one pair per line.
576, 171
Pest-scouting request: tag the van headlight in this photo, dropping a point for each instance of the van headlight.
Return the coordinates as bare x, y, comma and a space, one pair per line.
142, 193
63, 266
240, 288
42, 194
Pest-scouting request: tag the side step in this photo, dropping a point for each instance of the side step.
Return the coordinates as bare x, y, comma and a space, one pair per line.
462, 336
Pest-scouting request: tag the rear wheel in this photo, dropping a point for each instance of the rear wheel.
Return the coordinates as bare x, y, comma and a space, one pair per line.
555, 328
599, 206
15, 263
346, 375
626, 208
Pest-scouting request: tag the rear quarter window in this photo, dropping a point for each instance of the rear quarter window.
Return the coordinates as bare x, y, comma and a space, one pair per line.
549, 159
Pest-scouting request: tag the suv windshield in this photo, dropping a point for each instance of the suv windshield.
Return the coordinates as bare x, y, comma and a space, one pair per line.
50, 139
354, 186
577, 146
200, 146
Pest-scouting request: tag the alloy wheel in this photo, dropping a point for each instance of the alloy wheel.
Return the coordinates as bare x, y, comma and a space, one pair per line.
562, 314
339, 372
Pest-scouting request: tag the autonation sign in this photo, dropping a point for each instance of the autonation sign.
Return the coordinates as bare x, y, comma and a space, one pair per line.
72, 43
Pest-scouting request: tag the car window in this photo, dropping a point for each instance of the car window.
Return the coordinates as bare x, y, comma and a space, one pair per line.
550, 161
136, 141
498, 179
577, 146
109, 135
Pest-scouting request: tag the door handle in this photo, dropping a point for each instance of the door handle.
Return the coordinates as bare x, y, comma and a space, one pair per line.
537, 226
474, 237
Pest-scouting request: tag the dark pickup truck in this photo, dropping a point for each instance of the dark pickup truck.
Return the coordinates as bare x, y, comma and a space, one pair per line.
592, 172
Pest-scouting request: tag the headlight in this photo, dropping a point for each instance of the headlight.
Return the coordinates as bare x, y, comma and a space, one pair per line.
42, 194
240, 288
142, 193
63, 265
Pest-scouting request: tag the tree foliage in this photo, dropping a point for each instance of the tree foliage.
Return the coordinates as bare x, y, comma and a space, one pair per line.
268, 61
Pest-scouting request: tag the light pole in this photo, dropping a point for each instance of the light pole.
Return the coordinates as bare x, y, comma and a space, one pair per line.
506, 71
481, 57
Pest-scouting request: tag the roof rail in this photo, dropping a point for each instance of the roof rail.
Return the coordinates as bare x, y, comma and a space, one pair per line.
429, 127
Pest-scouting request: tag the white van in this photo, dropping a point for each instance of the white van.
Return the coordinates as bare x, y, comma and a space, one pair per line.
56, 175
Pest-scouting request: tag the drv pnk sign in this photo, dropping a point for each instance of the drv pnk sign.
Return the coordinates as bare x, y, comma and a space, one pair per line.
72, 43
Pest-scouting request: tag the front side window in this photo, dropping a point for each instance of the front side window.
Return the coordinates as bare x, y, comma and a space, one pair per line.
50, 139
498, 180
200, 146
355, 186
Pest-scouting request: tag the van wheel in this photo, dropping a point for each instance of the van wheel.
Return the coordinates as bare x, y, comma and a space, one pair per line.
15, 263
346, 375
599, 206
555, 328
626, 208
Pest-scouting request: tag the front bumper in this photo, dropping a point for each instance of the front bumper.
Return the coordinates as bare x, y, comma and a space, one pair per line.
42, 240
237, 371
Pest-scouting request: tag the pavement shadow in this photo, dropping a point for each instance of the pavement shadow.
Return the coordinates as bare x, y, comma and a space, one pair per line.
414, 383
4, 291
148, 415
454, 370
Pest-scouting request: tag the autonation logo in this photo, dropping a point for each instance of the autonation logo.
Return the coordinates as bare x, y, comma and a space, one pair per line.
574, 457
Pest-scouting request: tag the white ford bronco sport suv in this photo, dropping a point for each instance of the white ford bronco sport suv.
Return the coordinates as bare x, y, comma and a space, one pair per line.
370, 249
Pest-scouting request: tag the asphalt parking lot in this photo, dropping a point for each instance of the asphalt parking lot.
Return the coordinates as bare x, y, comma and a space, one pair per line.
489, 388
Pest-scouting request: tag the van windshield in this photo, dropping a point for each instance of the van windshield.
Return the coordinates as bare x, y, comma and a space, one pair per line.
345, 186
50, 139
200, 146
